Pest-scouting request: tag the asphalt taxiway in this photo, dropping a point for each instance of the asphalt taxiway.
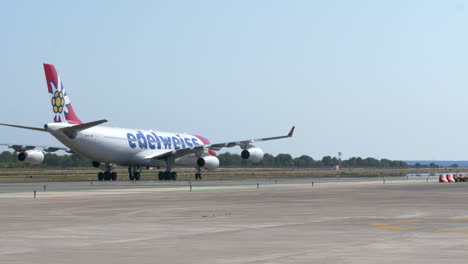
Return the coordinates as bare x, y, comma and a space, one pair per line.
287, 221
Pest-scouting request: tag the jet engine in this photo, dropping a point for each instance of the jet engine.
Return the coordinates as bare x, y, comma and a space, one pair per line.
208, 162
33, 157
253, 154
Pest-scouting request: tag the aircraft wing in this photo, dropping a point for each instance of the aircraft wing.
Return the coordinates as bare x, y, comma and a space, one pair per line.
177, 153
19, 148
218, 146
245, 143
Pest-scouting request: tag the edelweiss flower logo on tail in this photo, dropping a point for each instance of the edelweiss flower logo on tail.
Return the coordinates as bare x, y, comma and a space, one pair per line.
60, 102
61, 106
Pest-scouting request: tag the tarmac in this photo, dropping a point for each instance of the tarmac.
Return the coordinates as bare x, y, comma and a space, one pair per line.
366, 220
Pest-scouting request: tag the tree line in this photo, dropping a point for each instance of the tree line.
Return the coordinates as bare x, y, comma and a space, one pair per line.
304, 161
9, 160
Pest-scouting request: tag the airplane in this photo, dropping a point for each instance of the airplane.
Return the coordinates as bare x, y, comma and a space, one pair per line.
109, 147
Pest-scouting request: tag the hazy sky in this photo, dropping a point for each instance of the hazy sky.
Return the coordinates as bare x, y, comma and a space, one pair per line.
367, 78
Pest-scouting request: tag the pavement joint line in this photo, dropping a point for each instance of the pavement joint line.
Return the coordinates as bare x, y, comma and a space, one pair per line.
410, 221
24, 195
403, 182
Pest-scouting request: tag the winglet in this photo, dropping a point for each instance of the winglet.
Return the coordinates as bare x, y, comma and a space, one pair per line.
290, 134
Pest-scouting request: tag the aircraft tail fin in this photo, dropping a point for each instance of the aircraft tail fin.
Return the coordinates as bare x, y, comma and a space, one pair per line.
61, 106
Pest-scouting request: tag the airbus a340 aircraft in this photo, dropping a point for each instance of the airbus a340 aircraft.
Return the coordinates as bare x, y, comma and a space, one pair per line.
109, 147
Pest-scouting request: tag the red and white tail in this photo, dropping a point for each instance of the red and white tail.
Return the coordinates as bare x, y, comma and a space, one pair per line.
61, 106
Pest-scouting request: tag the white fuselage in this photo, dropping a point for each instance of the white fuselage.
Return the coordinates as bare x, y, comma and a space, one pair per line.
126, 146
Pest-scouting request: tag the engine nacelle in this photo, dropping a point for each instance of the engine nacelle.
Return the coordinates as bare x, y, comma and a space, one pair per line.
102, 166
252, 154
33, 157
208, 162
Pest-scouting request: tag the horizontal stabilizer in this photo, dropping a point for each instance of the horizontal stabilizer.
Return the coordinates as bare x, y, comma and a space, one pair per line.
20, 148
73, 130
25, 127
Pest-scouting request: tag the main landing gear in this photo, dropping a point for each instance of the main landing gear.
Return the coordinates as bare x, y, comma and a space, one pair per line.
172, 175
107, 175
167, 175
134, 173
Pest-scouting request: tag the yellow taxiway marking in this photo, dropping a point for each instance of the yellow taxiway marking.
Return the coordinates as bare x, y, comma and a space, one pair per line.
463, 218
452, 232
410, 221
394, 227
381, 224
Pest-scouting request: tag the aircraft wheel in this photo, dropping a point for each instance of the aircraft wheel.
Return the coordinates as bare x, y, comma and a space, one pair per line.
173, 175
137, 176
100, 176
107, 176
160, 176
114, 176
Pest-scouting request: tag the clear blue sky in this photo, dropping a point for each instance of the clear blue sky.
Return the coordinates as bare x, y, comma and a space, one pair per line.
367, 78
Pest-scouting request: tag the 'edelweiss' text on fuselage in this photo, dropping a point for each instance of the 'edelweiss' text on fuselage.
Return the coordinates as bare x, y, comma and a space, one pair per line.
153, 141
